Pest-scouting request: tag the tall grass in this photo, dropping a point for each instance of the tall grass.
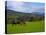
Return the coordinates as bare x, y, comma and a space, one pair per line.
37, 26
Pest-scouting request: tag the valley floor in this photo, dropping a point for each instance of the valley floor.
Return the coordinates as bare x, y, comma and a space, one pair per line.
29, 27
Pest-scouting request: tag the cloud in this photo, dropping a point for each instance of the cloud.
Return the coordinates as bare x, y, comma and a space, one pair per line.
26, 7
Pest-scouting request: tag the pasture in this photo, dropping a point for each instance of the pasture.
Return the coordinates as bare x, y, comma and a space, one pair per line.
29, 27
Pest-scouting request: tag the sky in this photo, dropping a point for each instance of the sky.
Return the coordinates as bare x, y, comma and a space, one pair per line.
26, 7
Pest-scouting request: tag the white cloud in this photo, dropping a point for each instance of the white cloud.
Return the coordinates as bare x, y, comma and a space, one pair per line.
18, 6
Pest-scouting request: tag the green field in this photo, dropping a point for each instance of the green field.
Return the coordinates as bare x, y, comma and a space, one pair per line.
29, 27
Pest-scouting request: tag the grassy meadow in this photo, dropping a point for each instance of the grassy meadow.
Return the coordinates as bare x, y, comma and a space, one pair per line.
29, 27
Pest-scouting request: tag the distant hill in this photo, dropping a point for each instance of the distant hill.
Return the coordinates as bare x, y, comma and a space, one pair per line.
11, 12
18, 14
40, 11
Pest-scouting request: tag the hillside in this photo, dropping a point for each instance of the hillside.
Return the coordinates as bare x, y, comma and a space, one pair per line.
16, 13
